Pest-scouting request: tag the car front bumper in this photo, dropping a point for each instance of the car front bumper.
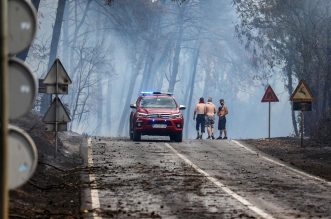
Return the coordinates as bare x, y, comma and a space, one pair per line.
148, 126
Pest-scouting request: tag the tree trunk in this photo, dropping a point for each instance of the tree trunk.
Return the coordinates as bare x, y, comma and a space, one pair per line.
99, 106
175, 62
147, 68
150, 59
65, 37
206, 85
74, 67
156, 75
126, 108
108, 108
290, 91
191, 90
100, 100
46, 98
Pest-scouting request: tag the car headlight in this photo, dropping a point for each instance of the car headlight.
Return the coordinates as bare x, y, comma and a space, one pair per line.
177, 116
142, 115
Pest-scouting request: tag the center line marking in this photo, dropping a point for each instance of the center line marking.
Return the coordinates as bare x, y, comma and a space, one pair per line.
94, 192
239, 198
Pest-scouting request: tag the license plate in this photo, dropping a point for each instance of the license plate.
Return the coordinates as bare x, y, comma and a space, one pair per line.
159, 126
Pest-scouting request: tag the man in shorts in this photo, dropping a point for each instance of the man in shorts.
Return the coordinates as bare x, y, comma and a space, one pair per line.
210, 118
200, 110
222, 112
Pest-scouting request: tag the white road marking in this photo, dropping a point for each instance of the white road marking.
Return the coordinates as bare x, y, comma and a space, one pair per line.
282, 164
94, 192
239, 198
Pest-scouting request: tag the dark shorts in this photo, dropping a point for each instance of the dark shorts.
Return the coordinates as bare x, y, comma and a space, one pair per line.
210, 120
200, 122
221, 123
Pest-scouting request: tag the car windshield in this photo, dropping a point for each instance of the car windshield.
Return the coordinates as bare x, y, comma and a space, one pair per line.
157, 102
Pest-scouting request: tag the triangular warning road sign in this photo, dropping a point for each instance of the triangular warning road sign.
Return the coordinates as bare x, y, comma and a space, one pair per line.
302, 93
57, 74
269, 95
56, 113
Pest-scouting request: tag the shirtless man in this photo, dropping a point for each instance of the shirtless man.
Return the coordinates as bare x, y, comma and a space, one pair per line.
222, 112
210, 118
200, 110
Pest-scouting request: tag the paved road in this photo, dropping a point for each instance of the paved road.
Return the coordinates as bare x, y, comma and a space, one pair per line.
197, 179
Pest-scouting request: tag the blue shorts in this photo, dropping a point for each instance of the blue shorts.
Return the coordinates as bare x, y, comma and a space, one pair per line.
200, 122
221, 123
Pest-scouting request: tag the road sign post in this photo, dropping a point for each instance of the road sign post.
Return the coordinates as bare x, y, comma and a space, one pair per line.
269, 96
302, 101
302, 127
56, 82
269, 120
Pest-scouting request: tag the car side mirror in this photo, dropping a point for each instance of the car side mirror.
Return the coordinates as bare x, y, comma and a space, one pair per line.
133, 106
182, 107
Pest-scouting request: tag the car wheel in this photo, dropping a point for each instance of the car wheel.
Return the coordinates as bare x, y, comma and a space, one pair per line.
131, 134
172, 137
131, 128
136, 136
179, 137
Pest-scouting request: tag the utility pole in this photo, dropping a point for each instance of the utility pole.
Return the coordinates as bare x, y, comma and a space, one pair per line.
4, 109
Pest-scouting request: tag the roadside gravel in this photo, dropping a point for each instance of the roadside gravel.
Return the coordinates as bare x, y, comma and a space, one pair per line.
314, 157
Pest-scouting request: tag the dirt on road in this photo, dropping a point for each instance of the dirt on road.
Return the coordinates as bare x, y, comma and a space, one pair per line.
148, 179
314, 157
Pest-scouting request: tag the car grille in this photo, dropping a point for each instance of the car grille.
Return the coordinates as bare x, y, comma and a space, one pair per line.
161, 116
168, 123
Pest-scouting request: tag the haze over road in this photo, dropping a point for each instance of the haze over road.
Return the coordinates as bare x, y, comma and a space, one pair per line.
197, 179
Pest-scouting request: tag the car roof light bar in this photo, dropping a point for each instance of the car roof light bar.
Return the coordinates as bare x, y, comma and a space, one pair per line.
146, 93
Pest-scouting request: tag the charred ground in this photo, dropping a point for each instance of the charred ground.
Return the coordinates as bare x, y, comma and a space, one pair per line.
54, 190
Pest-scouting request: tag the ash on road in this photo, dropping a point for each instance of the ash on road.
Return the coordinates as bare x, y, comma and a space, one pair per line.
150, 180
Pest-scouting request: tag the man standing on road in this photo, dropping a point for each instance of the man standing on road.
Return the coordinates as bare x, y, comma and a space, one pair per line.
210, 118
222, 112
200, 110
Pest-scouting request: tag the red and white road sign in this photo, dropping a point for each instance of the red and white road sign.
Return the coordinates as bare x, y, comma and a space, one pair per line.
269, 95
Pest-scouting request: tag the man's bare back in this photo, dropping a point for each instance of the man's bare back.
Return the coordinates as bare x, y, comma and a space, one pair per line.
210, 109
200, 108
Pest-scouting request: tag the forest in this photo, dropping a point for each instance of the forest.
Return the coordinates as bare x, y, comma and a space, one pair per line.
295, 35
230, 49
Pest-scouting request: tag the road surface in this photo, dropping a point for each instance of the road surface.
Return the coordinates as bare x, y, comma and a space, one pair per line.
196, 179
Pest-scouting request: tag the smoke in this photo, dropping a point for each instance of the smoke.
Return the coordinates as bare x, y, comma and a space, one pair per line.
130, 46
